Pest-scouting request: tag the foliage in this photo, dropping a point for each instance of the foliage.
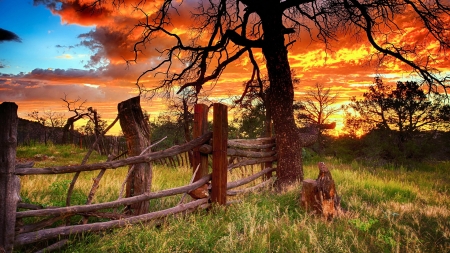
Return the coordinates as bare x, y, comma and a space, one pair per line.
377, 148
166, 126
405, 109
401, 123
249, 121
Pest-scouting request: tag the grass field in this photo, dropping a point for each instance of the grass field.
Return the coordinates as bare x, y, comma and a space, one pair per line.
388, 210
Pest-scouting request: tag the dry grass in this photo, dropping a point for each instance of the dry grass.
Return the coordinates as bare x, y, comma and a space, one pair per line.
388, 211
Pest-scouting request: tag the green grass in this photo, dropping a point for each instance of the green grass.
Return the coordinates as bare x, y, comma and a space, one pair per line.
387, 211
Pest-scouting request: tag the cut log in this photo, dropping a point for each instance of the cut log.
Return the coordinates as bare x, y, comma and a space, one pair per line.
320, 195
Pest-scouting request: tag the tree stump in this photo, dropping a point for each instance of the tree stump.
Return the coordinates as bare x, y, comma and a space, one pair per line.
320, 195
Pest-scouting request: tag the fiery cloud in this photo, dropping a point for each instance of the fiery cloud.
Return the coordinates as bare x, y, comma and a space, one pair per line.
348, 65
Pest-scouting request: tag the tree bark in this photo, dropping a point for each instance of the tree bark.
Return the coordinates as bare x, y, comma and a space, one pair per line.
320, 195
66, 130
137, 132
9, 182
281, 97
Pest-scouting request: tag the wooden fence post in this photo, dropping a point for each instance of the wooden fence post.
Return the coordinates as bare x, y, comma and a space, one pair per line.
9, 182
220, 139
199, 160
137, 132
200, 128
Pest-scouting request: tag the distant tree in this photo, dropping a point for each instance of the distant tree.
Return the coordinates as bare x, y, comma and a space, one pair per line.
181, 109
50, 120
95, 125
354, 125
166, 126
252, 113
80, 111
250, 120
400, 122
318, 105
405, 109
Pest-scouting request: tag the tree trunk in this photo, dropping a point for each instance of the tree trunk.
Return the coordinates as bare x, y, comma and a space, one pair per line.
66, 130
281, 97
137, 132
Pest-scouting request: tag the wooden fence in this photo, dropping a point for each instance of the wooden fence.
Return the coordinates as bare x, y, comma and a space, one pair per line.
207, 147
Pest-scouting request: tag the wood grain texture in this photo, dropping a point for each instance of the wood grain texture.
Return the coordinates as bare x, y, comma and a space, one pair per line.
9, 183
220, 142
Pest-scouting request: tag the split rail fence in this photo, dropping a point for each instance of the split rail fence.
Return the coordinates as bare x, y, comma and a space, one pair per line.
226, 155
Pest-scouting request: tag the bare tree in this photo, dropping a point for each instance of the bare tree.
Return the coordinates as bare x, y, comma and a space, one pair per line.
225, 31
80, 111
50, 120
318, 106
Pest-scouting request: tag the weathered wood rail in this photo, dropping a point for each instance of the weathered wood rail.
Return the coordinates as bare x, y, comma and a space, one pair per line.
226, 155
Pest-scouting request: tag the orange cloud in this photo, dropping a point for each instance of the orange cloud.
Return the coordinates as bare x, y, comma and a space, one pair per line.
347, 65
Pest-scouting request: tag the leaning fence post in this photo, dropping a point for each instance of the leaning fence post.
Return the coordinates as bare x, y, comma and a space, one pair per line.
8, 180
220, 139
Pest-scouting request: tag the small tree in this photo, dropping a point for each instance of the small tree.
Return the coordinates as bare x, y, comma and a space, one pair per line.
50, 120
250, 120
405, 109
80, 111
316, 109
400, 115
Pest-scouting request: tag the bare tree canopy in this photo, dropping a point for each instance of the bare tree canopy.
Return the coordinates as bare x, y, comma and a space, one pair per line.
226, 31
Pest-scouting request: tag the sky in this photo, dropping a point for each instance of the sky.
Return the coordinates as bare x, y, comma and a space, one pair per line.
50, 50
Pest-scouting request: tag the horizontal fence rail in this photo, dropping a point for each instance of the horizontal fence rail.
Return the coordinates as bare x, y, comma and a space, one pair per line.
115, 164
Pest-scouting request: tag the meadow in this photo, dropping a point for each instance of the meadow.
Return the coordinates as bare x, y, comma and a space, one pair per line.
387, 209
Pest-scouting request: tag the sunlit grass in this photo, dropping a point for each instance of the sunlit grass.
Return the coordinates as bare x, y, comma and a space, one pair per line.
386, 211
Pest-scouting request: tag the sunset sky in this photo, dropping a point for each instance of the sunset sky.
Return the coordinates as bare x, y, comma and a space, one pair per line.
53, 49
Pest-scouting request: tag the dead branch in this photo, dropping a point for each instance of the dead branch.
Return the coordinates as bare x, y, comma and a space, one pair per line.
251, 189
251, 162
247, 180
124, 201
45, 234
54, 246
86, 157
190, 182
